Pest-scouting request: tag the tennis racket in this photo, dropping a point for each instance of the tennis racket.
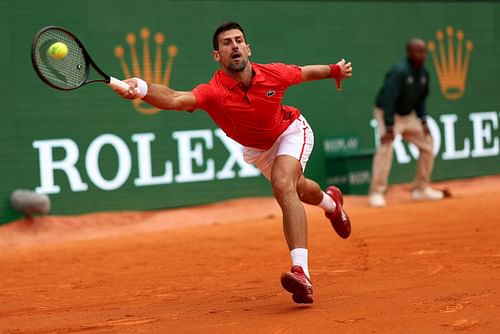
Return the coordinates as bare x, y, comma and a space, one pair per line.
70, 71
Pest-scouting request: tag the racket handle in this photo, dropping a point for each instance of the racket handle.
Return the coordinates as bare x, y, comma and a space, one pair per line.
118, 85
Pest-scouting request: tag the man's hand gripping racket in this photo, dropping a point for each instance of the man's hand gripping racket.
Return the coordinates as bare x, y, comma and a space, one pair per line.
340, 71
69, 68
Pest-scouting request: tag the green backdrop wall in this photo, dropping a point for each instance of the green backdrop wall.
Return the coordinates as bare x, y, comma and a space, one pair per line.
115, 156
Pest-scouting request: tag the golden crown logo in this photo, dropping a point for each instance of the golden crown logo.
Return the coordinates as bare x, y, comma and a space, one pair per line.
451, 66
148, 72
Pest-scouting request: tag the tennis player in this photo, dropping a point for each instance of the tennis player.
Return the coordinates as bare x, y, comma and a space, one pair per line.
245, 100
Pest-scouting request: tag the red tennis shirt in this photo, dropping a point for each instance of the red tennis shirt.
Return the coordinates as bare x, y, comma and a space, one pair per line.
254, 117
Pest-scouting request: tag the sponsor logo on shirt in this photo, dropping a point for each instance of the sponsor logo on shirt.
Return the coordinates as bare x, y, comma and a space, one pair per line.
270, 93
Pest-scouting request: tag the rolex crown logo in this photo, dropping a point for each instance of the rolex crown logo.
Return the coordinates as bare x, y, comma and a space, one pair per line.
452, 64
153, 73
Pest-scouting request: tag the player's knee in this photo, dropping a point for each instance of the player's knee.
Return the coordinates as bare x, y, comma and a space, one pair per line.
282, 187
426, 150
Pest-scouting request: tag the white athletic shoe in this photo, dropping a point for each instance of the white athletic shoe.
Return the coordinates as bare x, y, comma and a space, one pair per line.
427, 194
376, 200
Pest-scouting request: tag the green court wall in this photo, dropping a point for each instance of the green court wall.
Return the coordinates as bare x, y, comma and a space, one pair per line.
121, 158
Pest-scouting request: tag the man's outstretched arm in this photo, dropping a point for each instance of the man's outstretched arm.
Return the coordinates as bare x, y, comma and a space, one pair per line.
339, 71
159, 96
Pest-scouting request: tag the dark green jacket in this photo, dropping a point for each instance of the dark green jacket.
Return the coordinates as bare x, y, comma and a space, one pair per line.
405, 89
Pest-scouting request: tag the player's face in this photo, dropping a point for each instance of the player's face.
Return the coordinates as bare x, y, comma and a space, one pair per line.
233, 50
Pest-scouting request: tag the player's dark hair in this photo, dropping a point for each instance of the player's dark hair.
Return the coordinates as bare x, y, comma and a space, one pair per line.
225, 27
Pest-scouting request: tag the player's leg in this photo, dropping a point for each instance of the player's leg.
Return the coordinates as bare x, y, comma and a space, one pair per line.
290, 159
415, 134
381, 165
310, 192
298, 142
285, 174
282, 167
331, 201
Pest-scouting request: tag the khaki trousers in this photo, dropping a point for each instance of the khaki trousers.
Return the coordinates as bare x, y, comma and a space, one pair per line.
410, 127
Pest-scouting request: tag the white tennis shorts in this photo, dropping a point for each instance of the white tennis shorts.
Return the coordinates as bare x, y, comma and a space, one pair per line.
296, 141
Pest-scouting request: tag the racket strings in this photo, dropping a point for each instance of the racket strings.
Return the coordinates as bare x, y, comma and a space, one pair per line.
68, 72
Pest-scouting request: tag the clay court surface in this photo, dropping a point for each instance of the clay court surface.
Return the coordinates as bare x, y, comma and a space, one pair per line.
408, 268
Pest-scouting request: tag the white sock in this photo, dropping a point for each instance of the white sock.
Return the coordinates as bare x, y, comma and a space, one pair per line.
299, 258
327, 203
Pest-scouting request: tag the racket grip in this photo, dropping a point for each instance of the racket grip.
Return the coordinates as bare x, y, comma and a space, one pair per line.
118, 85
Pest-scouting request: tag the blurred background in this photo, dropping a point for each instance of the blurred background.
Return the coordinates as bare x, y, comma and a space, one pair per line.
89, 150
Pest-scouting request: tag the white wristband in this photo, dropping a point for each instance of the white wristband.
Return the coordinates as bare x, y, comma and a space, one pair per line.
142, 88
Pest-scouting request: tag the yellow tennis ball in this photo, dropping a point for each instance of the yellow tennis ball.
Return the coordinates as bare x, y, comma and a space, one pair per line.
58, 50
